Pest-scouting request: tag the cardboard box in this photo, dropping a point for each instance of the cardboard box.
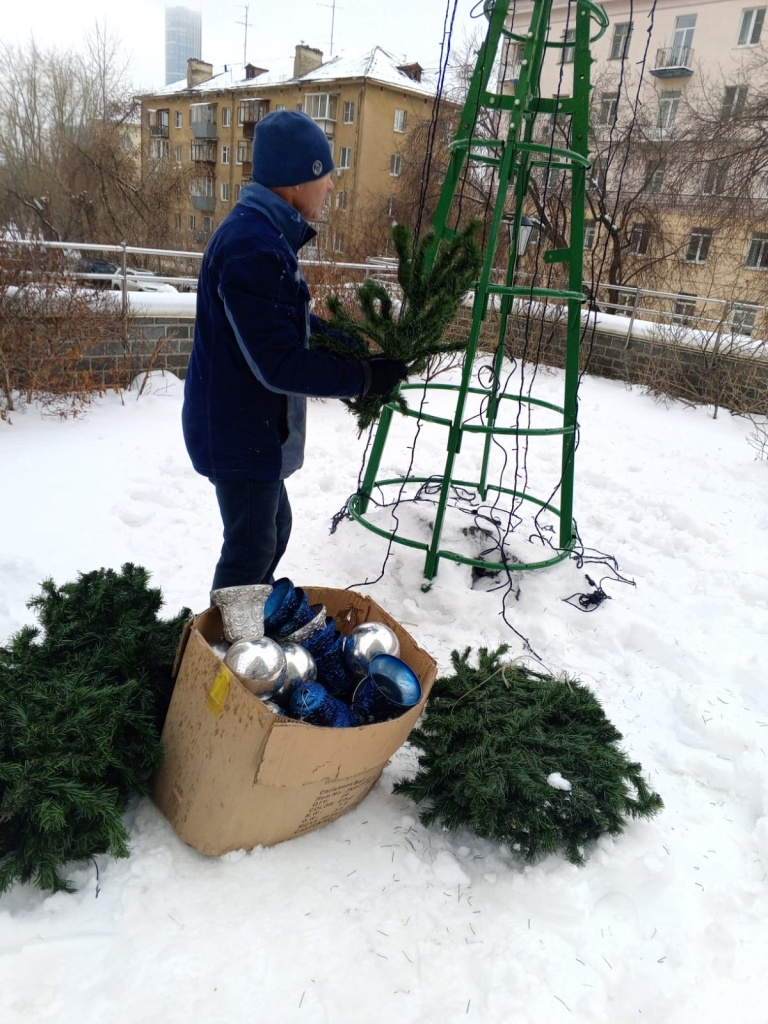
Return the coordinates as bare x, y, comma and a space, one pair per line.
236, 775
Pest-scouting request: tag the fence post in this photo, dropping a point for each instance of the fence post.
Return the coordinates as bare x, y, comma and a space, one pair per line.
632, 317
123, 270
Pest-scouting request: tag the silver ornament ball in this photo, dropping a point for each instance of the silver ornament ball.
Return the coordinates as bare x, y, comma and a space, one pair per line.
365, 642
261, 663
300, 666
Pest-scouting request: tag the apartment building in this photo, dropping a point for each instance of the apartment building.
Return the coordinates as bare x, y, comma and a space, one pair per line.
367, 104
678, 93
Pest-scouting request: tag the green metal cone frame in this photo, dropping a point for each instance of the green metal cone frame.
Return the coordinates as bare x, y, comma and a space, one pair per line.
513, 157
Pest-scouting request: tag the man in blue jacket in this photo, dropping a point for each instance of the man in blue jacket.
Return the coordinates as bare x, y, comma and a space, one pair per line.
251, 368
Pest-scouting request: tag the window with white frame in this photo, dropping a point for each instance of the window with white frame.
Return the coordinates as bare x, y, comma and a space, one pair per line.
743, 318
202, 187
639, 238
757, 254
620, 42
345, 158
598, 174
752, 21
178, 222
569, 50
177, 119
177, 155
225, 154
349, 112
400, 117
699, 242
338, 241
683, 308
734, 99
654, 176
225, 191
208, 224
590, 231
669, 101
321, 106
191, 222
226, 117
606, 112
159, 149
238, 187
341, 199
242, 153
715, 178
279, 106
682, 40
395, 165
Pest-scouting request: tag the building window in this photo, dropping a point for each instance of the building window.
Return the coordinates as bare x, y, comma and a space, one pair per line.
341, 200
243, 152
177, 119
734, 99
598, 176
668, 104
178, 222
338, 241
590, 230
225, 154
349, 113
606, 113
698, 245
757, 254
321, 106
226, 117
395, 165
159, 149
639, 237
177, 155
684, 308
743, 318
225, 191
654, 176
191, 222
238, 187
345, 158
751, 26
279, 106
620, 44
682, 40
208, 224
715, 178
400, 116
202, 187
202, 113
569, 50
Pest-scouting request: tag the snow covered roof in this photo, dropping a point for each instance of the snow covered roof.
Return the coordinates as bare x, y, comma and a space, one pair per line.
376, 64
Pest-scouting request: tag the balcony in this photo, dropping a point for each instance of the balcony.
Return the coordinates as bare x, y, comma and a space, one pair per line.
205, 203
673, 62
247, 170
249, 113
158, 131
204, 129
203, 152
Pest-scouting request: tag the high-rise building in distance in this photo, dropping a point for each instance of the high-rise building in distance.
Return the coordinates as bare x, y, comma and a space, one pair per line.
183, 39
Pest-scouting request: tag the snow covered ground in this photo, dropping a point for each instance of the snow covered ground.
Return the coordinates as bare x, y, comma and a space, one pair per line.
375, 918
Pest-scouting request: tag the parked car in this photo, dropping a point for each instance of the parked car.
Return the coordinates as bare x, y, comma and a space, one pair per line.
136, 280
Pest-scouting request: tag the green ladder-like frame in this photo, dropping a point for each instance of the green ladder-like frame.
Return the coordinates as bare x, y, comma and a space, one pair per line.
514, 157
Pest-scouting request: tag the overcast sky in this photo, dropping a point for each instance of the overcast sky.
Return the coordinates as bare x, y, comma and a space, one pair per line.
410, 29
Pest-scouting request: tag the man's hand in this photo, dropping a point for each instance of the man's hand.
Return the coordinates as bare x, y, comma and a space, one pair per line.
386, 374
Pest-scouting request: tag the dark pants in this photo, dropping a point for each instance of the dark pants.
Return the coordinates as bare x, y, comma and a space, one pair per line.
257, 524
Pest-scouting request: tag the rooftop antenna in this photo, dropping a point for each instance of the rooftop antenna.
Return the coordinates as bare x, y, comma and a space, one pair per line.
245, 8
332, 5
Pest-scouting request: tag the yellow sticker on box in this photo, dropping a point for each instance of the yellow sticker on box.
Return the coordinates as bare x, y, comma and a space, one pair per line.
219, 691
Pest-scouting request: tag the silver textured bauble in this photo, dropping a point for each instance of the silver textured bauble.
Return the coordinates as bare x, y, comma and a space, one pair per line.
261, 663
315, 625
242, 610
364, 642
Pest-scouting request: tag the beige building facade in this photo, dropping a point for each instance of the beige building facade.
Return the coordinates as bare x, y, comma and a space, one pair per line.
367, 104
675, 159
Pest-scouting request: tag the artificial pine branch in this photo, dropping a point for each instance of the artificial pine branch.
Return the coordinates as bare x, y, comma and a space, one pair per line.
414, 332
492, 737
82, 706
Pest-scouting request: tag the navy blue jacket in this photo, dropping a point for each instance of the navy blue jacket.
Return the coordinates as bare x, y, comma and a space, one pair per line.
251, 367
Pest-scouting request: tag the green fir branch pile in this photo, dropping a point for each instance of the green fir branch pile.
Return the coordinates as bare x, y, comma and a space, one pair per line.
82, 706
413, 333
492, 735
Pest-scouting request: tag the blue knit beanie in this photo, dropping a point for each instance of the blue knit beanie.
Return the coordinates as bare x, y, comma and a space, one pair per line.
289, 149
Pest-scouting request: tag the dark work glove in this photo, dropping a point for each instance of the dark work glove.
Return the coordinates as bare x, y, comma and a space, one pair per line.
386, 374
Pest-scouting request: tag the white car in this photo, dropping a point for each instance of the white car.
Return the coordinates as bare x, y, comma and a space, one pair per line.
140, 281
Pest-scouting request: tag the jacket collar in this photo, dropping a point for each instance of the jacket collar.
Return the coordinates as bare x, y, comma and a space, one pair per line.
287, 221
